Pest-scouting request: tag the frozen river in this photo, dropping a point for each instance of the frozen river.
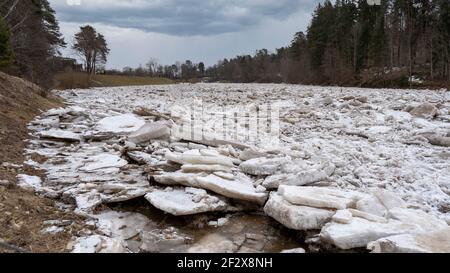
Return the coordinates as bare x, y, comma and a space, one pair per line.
248, 167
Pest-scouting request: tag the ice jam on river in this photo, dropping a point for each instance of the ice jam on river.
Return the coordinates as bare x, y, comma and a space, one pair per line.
332, 169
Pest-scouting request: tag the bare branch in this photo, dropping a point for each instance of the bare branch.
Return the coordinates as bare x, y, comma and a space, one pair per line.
11, 9
16, 26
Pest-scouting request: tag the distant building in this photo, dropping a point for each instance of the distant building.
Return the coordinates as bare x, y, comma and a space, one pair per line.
62, 64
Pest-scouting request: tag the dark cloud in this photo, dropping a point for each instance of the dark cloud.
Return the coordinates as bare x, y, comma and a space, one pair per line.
180, 17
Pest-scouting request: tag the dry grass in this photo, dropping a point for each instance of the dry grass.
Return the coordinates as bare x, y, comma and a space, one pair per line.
72, 80
22, 213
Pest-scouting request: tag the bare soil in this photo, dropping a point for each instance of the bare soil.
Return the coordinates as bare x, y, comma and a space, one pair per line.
22, 213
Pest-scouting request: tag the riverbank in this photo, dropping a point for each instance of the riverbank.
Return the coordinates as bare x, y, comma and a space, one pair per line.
73, 80
23, 213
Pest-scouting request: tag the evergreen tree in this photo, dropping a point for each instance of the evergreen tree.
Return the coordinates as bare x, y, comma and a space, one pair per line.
352, 42
35, 38
91, 47
6, 54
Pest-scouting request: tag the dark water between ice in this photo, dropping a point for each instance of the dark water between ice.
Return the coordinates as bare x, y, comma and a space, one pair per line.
249, 231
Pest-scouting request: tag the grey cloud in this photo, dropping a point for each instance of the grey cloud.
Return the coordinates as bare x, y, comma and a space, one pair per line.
180, 17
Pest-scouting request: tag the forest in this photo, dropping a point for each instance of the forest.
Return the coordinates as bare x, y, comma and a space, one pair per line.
353, 43
399, 43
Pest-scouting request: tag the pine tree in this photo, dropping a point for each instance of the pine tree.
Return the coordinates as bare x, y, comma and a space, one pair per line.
35, 38
6, 54
91, 47
351, 41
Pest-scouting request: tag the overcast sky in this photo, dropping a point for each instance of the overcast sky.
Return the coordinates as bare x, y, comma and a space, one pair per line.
177, 30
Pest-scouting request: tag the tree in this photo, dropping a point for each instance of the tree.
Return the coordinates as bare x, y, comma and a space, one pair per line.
35, 38
187, 70
201, 69
140, 71
91, 47
351, 42
152, 66
6, 54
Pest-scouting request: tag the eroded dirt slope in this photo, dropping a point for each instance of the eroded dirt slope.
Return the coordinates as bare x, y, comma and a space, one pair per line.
23, 213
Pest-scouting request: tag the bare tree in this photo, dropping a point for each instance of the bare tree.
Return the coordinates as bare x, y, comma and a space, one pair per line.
152, 66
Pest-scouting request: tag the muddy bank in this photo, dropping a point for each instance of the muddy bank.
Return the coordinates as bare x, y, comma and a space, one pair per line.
23, 213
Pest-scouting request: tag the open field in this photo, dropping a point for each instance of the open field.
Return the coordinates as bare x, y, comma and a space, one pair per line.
72, 80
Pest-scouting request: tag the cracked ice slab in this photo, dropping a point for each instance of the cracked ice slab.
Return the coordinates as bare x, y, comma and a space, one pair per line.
304, 177
434, 242
360, 232
60, 135
149, 131
125, 123
263, 166
295, 216
194, 157
188, 201
319, 197
123, 225
240, 188
103, 161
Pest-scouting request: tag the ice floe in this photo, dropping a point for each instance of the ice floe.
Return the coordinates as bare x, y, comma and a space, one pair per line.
366, 167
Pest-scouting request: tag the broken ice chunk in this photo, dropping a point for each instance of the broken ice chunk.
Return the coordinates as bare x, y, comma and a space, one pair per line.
187, 201
120, 124
315, 174
193, 157
343, 216
149, 131
388, 199
359, 232
318, 197
242, 188
123, 225
143, 158
98, 244
435, 242
189, 168
178, 178
294, 216
371, 205
103, 161
263, 166
295, 250
60, 135
31, 183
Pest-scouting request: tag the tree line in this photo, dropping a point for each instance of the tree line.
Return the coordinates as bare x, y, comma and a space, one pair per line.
350, 42
31, 41
179, 71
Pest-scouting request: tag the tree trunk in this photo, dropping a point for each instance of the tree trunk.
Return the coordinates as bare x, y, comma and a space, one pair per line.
355, 49
410, 41
431, 57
